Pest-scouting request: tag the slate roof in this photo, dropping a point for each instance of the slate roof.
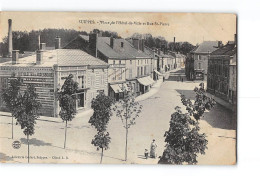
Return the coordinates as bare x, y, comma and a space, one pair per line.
228, 49
126, 52
205, 47
61, 57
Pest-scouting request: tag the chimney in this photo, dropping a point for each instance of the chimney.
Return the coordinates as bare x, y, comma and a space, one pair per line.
39, 57
141, 45
39, 42
111, 42
173, 43
10, 38
42, 46
93, 43
15, 56
57, 42
100, 34
219, 44
136, 43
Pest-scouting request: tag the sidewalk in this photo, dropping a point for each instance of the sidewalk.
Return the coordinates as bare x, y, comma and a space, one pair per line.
79, 114
221, 102
155, 88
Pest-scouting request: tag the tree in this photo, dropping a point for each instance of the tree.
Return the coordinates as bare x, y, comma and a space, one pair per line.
128, 110
100, 118
67, 102
183, 140
10, 96
202, 102
27, 112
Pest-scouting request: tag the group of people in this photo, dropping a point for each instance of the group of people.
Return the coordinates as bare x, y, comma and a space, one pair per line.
152, 151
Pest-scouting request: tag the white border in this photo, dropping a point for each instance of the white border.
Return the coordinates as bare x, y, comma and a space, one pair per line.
249, 92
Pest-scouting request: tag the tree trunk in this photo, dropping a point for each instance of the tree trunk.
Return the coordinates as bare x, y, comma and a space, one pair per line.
12, 127
126, 135
28, 148
101, 156
65, 134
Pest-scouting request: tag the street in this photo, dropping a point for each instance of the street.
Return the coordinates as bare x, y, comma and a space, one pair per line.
47, 142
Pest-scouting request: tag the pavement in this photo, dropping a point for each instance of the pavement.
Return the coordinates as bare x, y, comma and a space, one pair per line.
46, 145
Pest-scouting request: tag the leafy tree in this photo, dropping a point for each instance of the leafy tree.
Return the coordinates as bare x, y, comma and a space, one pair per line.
67, 101
10, 96
183, 140
202, 102
128, 110
27, 112
100, 118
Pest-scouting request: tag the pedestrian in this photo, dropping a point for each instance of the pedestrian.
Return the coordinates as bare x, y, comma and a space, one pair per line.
153, 149
146, 153
181, 79
163, 78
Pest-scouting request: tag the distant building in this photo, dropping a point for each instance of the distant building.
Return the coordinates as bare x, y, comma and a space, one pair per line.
47, 71
221, 80
196, 65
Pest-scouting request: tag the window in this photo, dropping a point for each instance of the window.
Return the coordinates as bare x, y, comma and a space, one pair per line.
114, 74
92, 82
120, 74
81, 81
145, 70
130, 73
141, 71
138, 70
199, 65
102, 80
122, 44
138, 62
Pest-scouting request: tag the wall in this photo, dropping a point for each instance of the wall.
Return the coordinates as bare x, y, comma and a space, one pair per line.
41, 77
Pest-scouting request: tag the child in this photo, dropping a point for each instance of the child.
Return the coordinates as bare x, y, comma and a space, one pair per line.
146, 153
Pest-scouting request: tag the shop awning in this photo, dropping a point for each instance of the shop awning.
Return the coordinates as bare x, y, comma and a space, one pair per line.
116, 88
157, 72
145, 81
150, 79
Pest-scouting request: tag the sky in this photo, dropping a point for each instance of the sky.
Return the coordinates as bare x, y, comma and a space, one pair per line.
192, 27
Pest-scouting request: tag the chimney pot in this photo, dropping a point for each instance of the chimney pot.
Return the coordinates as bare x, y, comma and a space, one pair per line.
39, 57
15, 56
111, 42
93, 43
57, 42
42, 46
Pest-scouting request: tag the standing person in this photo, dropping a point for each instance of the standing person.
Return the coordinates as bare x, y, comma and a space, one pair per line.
153, 149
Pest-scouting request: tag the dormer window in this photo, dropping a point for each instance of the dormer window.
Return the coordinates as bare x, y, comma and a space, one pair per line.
122, 44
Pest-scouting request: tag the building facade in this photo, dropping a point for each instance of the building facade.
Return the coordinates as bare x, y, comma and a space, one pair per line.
221, 80
196, 65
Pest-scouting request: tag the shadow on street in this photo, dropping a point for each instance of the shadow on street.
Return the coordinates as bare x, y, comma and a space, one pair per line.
35, 142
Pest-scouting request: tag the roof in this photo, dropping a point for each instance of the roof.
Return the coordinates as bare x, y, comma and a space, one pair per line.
126, 52
205, 47
228, 49
61, 57
84, 37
